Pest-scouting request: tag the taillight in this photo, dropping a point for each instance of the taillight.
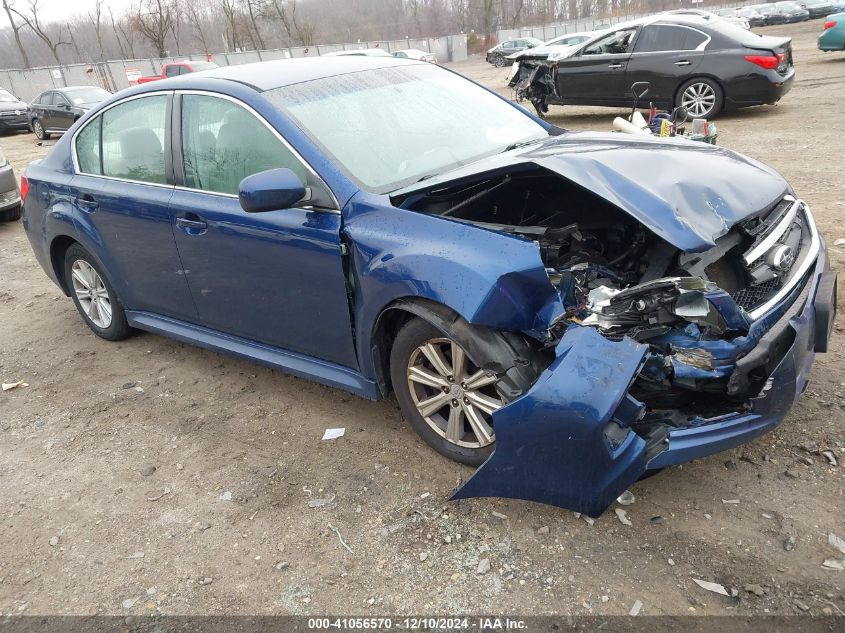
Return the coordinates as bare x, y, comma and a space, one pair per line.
24, 187
829, 24
769, 62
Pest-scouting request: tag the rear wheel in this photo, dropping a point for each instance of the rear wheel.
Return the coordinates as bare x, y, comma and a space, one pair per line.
702, 97
93, 295
10, 215
38, 128
444, 395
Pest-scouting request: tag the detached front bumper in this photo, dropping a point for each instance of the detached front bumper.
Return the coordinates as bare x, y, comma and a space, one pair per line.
9, 193
569, 441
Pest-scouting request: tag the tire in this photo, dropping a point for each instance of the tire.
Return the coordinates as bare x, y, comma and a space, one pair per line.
704, 95
104, 315
38, 129
499, 61
461, 427
10, 215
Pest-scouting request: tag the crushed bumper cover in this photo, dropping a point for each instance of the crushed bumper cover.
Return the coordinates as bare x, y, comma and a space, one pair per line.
568, 442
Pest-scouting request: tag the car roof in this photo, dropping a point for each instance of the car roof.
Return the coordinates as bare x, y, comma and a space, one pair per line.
268, 75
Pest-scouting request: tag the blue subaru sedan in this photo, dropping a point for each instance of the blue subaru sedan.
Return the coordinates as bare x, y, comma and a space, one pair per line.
565, 310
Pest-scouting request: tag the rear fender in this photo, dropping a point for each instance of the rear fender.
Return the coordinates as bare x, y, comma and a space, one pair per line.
566, 442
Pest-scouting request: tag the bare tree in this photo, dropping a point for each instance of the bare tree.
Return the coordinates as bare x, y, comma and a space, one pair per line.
280, 7
52, 38
16, 31
96, 21
255, 8
117, 35
154, 21
230, 12
198, 16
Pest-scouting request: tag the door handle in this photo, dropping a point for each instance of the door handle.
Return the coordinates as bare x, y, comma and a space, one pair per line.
87, 202
616, 65
683, 62
192, 226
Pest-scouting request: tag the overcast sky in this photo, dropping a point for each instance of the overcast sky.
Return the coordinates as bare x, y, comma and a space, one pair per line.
61, 9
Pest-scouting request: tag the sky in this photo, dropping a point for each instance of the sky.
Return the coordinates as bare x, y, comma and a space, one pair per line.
61, 9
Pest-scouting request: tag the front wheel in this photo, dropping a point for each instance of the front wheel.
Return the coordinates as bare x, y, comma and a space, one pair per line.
93, 295
702, 97
444, 395
499, 61
38, 128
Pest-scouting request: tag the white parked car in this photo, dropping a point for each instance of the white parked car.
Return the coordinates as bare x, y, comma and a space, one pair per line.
554, 45
413, 53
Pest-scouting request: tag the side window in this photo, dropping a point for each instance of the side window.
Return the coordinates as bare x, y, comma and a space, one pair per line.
223, 143
133, 139
613, 44
60, 99
48, 98
88, 148
663, 37
172, 71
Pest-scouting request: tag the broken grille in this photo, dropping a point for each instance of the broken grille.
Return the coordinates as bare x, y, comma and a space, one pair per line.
752, 296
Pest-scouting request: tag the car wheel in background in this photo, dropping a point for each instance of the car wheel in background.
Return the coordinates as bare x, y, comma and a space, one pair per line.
93, 295
38, 128
499, 61
10, 215
702, 97
444, 395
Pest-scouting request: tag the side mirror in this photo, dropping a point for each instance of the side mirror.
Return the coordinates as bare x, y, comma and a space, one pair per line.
270, 190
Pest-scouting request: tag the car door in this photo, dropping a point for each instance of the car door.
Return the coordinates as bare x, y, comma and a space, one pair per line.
122, 189
46, 109
275, 277
666, 55
596, 74
62, 117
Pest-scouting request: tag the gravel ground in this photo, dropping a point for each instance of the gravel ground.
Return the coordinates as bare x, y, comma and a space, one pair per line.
148, 476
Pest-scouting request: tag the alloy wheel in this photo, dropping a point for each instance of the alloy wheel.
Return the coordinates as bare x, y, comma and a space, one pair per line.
38, 129
699, 99
91, 293
454, 397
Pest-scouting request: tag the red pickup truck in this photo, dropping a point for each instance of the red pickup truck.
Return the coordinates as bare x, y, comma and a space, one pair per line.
178, 68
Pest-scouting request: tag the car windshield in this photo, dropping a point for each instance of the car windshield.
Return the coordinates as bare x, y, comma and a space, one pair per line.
392, 127
86, 95
7, 97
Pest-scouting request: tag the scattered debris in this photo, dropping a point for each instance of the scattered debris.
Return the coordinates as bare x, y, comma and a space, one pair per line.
671, 562
543, 530
321, 503
657, 520
333, 434
635, 610
340, 538
711, 586
589, 520
483, 566
129, 603
830, 457
626, 498
252, 516
423, 556
146, 470
8, 386
179, 466
166, 491
139, 389
135, 556
835, 541
839, 242
226, 496
425, 495
206, 581
757, 590
128, 385
54, 540
282, 564
730, 464
499, 515
622, 515
789, 543
832, 563
730, 501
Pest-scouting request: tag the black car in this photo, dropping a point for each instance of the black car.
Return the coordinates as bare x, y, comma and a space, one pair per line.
12, 112
754, 17
769, 13
817, 8
792, 12
54, 111
498, 54
703, 65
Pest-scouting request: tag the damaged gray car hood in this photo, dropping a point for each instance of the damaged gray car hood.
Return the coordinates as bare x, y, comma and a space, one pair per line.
687, 192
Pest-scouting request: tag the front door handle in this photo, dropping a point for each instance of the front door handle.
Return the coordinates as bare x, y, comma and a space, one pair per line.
683, 62
616, 65
192, 225
87, 202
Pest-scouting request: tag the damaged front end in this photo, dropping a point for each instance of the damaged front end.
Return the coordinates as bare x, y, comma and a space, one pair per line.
662, 354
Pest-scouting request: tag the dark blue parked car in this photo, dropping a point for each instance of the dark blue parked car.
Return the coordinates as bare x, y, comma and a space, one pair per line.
591, 306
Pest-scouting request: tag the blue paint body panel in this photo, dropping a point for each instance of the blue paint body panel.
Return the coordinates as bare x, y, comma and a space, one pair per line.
302, 289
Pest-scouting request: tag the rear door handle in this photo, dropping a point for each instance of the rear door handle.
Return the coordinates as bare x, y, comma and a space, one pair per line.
87, 202
683, 62
616, 65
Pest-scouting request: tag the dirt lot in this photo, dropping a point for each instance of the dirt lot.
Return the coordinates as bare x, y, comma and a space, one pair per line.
239, 515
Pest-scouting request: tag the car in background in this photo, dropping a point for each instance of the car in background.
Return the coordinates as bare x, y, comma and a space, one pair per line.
770, 14
360, 52
752, 16
833, 35
413, 53
704, 65
10, 195
174, 69
554, 45
54, 111
817, 8
498, 54
792, 12
12, 113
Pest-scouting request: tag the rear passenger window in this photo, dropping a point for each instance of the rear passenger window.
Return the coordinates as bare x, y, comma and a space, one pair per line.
223, 143
88, 148
663, 37
133, 140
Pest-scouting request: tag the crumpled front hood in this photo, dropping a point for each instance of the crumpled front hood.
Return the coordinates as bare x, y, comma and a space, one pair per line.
687, 192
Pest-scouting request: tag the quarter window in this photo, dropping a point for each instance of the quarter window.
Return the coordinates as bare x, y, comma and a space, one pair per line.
663, 37
88, 148
133, 140
223, 143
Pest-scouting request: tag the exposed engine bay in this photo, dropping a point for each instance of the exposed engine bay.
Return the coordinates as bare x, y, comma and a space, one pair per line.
697, 311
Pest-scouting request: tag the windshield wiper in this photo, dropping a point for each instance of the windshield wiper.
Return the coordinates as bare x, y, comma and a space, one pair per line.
514, 146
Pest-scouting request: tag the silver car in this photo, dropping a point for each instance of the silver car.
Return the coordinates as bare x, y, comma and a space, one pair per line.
10, 195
